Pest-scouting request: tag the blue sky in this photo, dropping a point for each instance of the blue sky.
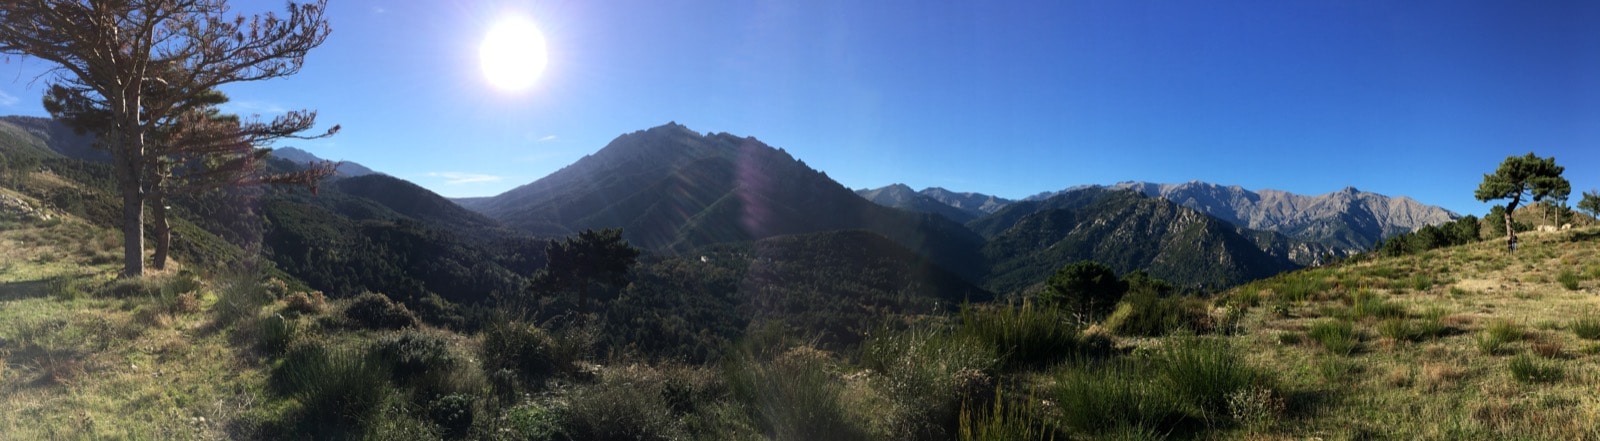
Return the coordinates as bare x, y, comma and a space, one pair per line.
1411, 98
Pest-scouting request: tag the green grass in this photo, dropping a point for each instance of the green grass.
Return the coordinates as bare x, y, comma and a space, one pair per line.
1336, 336
1022, 336
1495, 338
1527, 369
1586, 327
1569, 279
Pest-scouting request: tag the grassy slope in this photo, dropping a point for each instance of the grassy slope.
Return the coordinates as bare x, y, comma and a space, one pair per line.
1443, 387
81, 366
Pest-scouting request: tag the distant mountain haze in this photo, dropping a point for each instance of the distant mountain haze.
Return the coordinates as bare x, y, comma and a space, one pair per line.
346, 168
1348, 219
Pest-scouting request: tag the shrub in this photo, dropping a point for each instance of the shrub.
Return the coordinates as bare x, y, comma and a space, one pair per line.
1527, 369
306, 303
423, 361
1337, 336
537, 422
1587, 327
1298, 286
1568, 279
627, 404
1021, 336
929, 374
375, 311
1088, 288
339, 391
454, 413
794, 396
521, 349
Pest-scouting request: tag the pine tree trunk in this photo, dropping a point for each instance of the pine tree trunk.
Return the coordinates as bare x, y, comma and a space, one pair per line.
1511, 233
163, 231
132, 229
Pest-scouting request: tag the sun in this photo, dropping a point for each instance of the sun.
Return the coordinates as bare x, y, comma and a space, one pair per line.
512, 54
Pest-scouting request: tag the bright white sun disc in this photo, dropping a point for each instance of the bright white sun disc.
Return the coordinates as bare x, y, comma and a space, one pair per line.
512, 54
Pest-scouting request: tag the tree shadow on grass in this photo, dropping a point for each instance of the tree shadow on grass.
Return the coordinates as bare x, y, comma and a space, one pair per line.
22, 290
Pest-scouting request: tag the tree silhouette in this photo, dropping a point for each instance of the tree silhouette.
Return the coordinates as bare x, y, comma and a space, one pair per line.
1590, 203
1088, 288
1520, 176
586, 267
137, 71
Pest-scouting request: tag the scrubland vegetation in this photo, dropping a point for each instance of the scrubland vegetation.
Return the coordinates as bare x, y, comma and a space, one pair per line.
1458, 342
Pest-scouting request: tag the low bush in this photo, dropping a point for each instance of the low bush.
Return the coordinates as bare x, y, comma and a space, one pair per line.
454, 413
425, 362
521, 350
623, 406
376, 311
1337, 336
305, 303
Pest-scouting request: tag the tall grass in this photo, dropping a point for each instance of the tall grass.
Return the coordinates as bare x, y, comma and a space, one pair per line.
1569, 279
340, 391
1187, 385
1494, 338
1337, 336
929, 374
1586, 327
795, 396
1527, 369
1022, 336
1003, 420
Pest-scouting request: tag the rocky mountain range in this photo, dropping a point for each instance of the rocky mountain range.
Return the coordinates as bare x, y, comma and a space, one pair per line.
1348, 220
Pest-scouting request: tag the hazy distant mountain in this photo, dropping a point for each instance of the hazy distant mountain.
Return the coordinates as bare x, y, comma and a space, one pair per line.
671, 188
903, 197
978, 204
1349, 219
347, 169
959, 207
45, 134
1128, 231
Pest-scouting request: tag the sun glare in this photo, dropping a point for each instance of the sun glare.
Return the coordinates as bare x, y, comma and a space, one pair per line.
512, 54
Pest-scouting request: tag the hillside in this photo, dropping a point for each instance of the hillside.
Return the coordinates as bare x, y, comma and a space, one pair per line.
1028, 241
345, 168
670, 188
